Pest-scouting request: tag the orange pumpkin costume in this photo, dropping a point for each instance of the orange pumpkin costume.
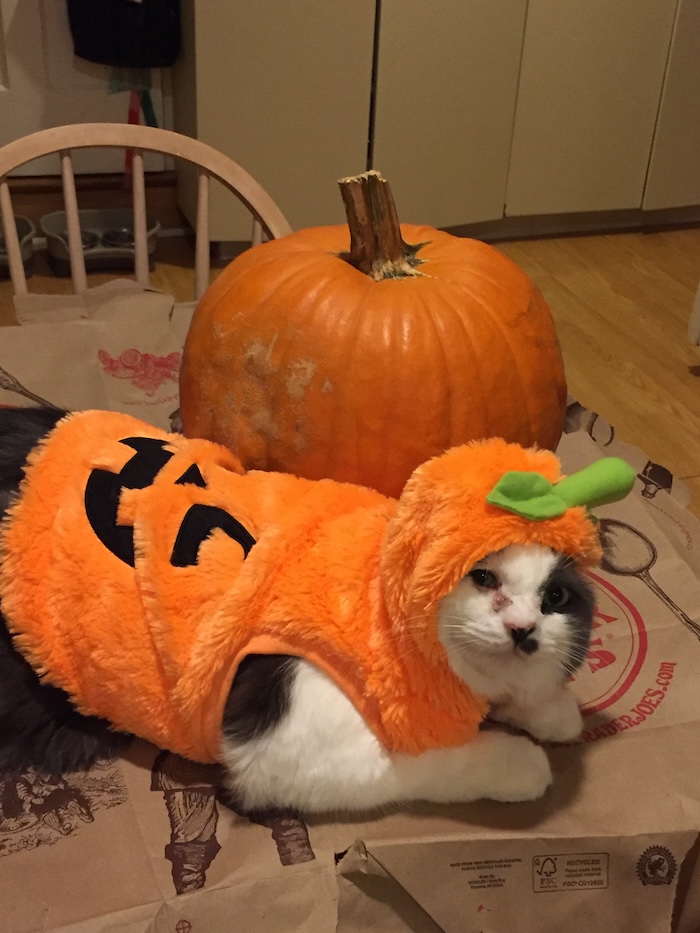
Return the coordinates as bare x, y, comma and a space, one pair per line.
139, 568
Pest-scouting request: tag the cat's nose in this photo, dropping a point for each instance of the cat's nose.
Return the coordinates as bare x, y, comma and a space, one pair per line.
520, 635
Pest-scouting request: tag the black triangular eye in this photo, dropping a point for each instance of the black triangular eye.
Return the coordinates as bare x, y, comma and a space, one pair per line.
192, 476
103, 491
143, 468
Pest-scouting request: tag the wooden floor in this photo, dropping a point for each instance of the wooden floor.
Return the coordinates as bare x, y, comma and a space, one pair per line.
621, 303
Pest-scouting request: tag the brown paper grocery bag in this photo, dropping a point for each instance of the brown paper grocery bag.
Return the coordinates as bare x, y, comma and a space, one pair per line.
117, 347
144, 843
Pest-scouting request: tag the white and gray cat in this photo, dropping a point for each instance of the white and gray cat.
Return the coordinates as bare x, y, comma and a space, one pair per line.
514, 629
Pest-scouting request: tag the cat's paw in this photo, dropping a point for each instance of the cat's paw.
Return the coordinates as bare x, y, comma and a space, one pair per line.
559, 720
521, 770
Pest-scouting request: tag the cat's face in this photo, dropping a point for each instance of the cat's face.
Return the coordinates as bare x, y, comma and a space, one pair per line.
523, 612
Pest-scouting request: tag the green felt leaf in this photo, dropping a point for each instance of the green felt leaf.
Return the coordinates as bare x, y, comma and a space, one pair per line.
529, 495
532, 496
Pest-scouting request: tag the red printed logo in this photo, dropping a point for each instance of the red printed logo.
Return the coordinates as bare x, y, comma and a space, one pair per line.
145, 371
617, 652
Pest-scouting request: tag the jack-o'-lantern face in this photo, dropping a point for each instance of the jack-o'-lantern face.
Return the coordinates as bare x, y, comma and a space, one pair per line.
107, 494
125, 547
177, 525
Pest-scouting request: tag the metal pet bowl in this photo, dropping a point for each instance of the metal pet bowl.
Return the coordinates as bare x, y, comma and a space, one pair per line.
26, 231
107, 236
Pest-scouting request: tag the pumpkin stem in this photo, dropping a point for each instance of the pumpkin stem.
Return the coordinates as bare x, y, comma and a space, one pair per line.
376, 245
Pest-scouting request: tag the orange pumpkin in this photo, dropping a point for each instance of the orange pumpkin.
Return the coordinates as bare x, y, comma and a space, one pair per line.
349, 353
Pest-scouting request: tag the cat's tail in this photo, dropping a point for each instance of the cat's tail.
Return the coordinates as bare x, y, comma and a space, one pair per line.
38, 725
21, 429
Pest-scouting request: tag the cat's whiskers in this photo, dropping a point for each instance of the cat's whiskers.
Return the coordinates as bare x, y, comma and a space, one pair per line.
558, 657
456, 623
471, 630
473, 643
568, 658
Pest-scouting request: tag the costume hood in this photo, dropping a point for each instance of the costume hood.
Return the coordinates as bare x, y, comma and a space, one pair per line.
479, 498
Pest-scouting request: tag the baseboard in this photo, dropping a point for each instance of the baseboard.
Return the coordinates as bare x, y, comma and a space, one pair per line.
580, 224
35, 196
545, 225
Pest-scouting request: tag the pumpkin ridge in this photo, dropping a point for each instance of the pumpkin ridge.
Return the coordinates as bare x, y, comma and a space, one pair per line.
461, 313
251, 260
290, 353
430, 315
363, 310
529, 292
475, 299
516, 362
464, 324
230, 282
323, 292
335, 416
471, 324
488, 276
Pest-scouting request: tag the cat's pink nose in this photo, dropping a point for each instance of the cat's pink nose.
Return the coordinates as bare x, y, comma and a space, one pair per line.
521, 630
514, 624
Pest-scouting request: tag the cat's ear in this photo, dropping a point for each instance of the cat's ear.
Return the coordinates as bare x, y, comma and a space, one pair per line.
403, 544
422, 560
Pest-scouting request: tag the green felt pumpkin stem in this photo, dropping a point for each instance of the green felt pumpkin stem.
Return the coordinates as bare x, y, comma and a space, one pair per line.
604, 481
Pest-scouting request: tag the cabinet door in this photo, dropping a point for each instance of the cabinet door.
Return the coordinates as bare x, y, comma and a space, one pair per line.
284, 89
446, 89
674, 172
590, 86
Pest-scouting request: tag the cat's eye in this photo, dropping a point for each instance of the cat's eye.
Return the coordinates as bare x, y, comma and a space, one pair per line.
556, 597
484, 578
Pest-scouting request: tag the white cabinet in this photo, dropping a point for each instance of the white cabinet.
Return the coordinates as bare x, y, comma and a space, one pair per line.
483, 109
446, 91
282, 88
285, 89
590, 84
674, 170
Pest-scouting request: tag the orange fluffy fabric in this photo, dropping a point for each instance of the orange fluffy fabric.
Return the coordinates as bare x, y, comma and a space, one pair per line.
139, 568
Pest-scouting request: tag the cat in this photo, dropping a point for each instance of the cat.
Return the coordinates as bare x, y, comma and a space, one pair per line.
514, 630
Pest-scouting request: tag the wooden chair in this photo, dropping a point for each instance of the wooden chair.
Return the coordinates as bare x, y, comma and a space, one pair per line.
267, 217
